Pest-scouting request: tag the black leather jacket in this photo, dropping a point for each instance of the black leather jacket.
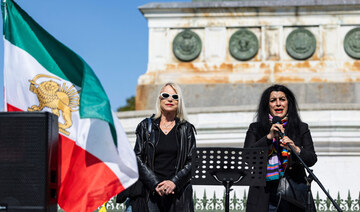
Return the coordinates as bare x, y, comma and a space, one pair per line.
145, 150
258, 196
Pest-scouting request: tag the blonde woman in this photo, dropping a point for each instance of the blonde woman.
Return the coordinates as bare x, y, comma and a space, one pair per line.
164, 155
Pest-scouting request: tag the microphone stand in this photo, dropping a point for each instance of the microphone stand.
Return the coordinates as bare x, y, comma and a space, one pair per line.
312, 176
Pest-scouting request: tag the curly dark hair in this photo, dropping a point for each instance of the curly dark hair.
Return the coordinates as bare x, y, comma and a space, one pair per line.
264, 110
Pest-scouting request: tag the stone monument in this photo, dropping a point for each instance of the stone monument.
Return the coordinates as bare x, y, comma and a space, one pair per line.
225, 53
232, 50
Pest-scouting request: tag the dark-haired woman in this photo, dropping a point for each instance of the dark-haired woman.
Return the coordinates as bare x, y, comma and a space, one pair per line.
278, 100
164, 157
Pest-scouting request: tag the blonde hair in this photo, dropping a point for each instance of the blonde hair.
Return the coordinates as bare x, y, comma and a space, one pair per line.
181, 111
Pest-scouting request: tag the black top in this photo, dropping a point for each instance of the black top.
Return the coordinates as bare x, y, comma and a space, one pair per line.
145, 148
259, 196
165, 156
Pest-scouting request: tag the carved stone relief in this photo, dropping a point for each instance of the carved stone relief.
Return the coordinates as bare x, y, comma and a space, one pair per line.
187, 46
352, 43
300, 44
243, 45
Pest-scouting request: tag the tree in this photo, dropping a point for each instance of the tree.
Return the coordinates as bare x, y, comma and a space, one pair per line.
130, 104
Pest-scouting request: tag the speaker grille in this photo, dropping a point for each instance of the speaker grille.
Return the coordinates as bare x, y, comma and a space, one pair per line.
25, 143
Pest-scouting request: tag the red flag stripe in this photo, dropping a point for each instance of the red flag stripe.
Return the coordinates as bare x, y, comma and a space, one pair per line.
80, 172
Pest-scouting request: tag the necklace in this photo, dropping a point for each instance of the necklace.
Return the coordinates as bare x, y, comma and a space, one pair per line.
167, 126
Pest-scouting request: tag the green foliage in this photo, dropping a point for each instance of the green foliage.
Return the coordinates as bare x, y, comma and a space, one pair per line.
130, 105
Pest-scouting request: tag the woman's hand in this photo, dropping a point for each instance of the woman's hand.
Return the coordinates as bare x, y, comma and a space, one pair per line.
166, 187
274, 131
286, 141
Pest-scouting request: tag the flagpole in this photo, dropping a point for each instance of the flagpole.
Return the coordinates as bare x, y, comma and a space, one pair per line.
4, 10
5, 15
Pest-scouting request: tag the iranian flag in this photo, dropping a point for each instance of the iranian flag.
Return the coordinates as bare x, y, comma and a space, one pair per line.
42, 74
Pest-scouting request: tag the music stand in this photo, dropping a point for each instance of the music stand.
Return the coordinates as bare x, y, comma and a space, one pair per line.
229, 166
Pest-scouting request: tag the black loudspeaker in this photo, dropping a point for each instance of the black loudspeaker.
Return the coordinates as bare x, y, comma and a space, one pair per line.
29, 175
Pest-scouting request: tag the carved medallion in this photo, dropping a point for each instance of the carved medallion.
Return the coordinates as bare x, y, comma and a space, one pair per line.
243, 45
300, 44
352, 43
187, 45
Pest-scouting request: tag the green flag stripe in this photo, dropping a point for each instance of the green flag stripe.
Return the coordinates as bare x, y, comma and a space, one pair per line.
22, 31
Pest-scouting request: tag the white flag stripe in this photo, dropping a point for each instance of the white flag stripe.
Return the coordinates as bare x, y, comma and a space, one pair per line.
20, 67
98, 141
93, 132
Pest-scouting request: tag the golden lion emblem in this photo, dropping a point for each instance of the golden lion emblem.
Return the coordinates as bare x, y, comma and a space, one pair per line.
58, 98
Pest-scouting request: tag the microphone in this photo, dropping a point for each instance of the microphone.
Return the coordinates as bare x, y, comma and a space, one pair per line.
277, 120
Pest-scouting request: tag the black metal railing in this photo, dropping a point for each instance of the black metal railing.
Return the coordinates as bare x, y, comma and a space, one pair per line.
214, 203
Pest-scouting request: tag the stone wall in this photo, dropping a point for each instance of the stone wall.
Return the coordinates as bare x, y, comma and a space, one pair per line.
233, 71
238, 94
335, 132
